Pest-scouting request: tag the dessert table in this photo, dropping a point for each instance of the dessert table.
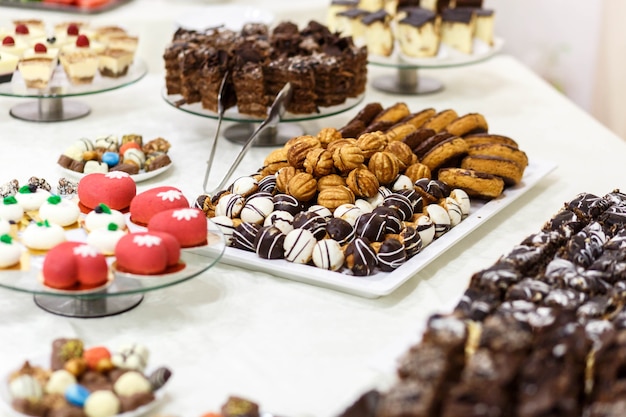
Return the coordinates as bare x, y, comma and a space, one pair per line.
298, 349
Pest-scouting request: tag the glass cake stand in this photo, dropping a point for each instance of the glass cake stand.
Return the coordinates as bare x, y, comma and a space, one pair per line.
123, 292
407, 81
51, 105
246, 125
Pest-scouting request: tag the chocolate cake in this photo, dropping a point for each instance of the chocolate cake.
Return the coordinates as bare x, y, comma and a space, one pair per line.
542, 332
324, 68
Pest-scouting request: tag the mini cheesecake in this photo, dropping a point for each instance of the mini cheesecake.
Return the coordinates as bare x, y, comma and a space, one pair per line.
36, 71
125, 42
8, 64
115, 62
80, 66
82, 43
103, 33
36, 27
349, 23
418, 34
40, 50
378, 35
338, 6
458, 27
371, 5
484, 26
13, 46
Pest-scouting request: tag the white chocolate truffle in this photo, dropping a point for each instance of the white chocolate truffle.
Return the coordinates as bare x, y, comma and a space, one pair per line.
299, 244
99, 219
440, 218
364, 205
244, 186
5, 227
321, 211
59, 211
463, 199
402, 183
257, 208
109, 143
95, 166
10, 252
43, 235
31, 200
229, 205
102, 403
454, 210
281, 219
327, 254
59, 381
131, 383
27, 387
134, 156
426, 229
348, 212
226, 226
10, 209
133, 357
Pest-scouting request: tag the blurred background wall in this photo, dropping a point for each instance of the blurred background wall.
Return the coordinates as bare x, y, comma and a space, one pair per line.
579, 46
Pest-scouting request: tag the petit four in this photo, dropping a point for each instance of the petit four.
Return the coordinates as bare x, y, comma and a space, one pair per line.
13, 46
42, 235
37, 71
327, 254
10, 251
147, 253
8, 65
152, 201
187, 225
71, 265
102, 216
60, 211
269, 243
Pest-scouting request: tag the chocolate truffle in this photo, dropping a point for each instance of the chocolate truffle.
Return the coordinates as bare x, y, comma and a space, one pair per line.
391, 255
370, 226
281, 219
269, 243
299, 245
360, 257
312, 222
340, 230
245, 235
327, 254
400, 203
257, 207
393, 222
288, 203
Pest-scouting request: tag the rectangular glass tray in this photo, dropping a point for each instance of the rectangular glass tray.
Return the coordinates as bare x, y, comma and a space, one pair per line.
57, 7
384, 283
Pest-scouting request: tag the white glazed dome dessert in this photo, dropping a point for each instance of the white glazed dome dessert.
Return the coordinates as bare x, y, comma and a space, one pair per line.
31, 197
105, 239
101, 216
5, 227
59, 211
43, 235
10, 210
10, 252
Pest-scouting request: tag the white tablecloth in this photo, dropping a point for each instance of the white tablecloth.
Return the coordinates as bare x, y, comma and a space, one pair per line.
297, 349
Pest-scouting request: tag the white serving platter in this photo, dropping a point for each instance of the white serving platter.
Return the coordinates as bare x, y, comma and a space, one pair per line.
384, 283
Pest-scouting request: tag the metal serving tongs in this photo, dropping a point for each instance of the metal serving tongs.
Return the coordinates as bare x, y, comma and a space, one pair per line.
221, 108
277, 109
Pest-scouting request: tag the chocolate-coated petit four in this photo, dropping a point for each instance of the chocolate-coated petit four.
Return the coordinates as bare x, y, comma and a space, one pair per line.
439, 217
299, 245
360, 257
245, 235
312, 222
327, 254
257, 207
432, 190
426, 229
391, 255
371, 226
269, 242
411, 240
393, 222
229, 205
321, 211
340, 230
268, 184
348, 212
244, 186
415, 198
377, 200
401, 203
226, 226
288, 203
281, 219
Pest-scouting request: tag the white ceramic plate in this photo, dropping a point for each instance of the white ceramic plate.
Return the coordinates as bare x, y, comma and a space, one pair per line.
229, 16
142, 176
384, 283
44, 361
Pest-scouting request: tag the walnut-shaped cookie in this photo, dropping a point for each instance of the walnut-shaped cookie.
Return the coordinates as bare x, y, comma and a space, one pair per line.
298, 151
302, 186
385, 166
319, 162
274, 161
332, 180
283, 176
401, 151
371, 142
417, 171
333, 197
362, 182
339, 143
348, 157
327, 135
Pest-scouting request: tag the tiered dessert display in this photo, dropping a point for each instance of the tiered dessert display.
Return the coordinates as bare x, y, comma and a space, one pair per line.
408, 35
70, 59
81, 381
81, 256
372, 202
540, 332
327, 72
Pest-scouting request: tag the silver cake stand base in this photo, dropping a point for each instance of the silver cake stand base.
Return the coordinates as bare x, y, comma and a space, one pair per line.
407, 82
52, 109
86, 307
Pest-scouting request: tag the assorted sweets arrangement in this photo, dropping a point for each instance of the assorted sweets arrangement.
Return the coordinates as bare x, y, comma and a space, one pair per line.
81, 234
540, 332
36, 50
82, 381
110, 153
368, 196
324, 68
414, 28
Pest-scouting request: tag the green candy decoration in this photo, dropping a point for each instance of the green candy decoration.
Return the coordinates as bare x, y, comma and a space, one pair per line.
6, 239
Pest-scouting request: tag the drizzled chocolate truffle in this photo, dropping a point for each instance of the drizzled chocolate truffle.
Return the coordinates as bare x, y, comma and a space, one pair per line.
391, 255
244, 236
360, 257
370, 226
401, 203
269, 242
411, 240
393, 221
288, 203
340, 230
312, 222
